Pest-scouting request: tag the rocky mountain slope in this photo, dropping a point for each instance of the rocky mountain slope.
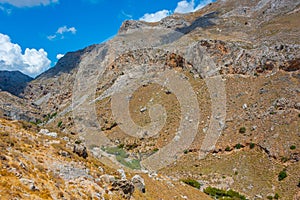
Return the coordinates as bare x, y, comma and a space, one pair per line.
235, 125
13, 82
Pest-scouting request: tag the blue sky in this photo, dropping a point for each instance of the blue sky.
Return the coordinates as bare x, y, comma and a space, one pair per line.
34, 33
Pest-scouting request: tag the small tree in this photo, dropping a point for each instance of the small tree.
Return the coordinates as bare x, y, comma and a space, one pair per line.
282, 175
242, 130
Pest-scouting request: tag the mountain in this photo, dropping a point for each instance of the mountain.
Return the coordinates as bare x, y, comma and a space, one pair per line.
209, 98
13, 82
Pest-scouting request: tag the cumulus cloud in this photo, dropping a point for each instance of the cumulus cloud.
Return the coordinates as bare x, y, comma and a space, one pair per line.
59, 56
28, 3
182, 7
60, 32
32, 62
155, 17
185, 7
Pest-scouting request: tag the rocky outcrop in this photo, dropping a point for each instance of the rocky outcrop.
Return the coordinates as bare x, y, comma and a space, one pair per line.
139, 183
124, 187
80, 150
15, 108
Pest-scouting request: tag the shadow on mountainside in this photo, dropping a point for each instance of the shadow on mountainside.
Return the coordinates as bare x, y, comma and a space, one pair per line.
202, 22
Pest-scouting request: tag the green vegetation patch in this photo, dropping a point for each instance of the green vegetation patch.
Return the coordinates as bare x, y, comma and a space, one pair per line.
122, 157
222, 194
282, 175
192, 183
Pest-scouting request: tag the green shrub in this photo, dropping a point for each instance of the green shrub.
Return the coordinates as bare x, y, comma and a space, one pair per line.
185, 151
238, 146
227, 148
292, 147
282, 175
242, 130
252, 145
270, 197
192, 183
78, 142
276, 196
222, 194
59, 124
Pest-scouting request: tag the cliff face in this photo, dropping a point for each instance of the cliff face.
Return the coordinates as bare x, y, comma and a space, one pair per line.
241, 59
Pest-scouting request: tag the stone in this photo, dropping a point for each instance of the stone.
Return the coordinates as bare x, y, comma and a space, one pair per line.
139, 183
64, 153
48, 133
143, 109
80, 150
108, 179
297, 106
122, 173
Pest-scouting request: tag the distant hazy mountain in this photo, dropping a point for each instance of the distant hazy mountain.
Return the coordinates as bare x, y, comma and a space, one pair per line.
13, 82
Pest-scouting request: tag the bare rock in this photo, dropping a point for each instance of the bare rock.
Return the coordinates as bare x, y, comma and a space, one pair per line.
48, 133
139, 183
125, 188
108, 179
80, 150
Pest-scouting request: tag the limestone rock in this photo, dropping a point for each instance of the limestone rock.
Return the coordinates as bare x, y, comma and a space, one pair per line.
80, 150
139, 183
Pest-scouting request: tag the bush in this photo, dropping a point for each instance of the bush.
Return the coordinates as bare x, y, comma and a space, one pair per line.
242, 130
59, 124
227, 148
238, 146
292, 147
222, 194
192, 183
282, 175
185, 151
276, 196
252, 145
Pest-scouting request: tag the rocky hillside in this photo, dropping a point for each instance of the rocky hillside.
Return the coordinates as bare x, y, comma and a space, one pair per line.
13, 82
38, 164
210, 98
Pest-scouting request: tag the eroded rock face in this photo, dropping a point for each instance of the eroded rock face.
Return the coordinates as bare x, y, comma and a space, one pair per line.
125, 187
139, 183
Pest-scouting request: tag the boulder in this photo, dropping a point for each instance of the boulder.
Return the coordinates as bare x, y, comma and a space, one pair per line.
139, 183
80, 150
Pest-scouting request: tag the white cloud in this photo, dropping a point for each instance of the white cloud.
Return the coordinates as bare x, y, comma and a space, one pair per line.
182, 7
155, 17
65, 29
60, 32
28, 3
202, 4
185, 7
59, 56
32, 62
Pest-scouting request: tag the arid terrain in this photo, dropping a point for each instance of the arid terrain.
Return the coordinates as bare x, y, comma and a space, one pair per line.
204, 105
